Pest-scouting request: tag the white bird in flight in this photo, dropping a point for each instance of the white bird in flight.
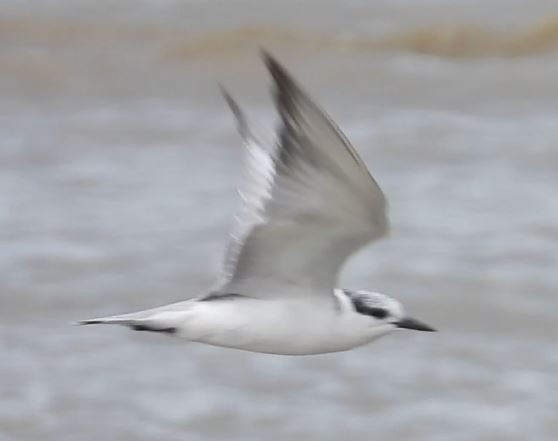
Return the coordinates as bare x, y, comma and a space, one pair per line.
308, 203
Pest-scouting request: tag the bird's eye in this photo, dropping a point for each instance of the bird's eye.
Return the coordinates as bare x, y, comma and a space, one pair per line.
379, 313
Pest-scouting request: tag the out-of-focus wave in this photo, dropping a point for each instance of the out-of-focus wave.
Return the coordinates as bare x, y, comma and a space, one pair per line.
444, 40
458, 41
50, 31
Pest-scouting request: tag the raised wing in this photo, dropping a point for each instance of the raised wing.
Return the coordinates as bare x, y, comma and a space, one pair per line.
309, 201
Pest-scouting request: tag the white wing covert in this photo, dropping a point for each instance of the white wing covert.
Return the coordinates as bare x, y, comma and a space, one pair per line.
309, 201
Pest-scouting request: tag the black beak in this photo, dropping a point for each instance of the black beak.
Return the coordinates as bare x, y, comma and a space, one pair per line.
411, 323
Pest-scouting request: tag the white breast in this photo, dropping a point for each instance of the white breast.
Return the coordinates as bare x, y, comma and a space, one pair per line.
288, 327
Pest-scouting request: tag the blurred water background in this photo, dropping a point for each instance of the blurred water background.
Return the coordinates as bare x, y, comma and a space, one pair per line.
118, 165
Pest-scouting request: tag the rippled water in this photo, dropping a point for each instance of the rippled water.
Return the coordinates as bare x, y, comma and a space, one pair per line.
118, 162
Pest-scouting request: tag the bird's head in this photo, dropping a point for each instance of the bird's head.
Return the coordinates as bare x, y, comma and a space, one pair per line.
384, 310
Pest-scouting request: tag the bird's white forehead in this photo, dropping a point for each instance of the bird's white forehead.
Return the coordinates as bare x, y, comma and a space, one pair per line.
372, 298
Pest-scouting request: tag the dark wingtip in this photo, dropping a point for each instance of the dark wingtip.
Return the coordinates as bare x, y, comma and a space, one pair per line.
223, 90
267, 57
241, 122
229, 100
277, 71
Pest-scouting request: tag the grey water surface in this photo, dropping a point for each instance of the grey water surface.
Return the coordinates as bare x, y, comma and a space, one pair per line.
118, 166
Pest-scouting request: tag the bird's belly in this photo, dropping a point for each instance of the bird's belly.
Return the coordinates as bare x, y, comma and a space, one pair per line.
273, 328
283, 342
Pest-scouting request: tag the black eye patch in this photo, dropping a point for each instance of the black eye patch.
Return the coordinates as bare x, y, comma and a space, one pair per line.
379, 313
363, 307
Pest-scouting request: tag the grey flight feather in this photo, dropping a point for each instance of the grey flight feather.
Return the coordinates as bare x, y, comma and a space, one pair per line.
308, 201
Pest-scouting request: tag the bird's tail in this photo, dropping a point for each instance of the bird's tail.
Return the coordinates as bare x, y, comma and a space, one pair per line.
124, 319
154, 320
